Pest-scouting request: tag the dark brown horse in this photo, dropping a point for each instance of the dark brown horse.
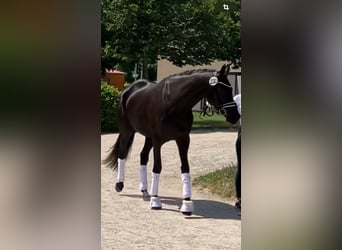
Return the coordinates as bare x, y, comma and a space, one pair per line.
163, 112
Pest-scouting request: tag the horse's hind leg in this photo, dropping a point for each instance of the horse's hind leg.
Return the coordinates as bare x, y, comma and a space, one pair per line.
143, 167
183, 148
125, 141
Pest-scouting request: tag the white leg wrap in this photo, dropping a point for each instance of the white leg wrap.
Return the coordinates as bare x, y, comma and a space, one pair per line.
186, 185
121, 170
143, 177
155, 184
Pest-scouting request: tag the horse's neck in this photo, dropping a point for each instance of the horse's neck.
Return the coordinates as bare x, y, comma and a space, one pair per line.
185, 95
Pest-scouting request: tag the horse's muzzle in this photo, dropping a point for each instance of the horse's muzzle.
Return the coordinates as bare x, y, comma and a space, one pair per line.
232, 118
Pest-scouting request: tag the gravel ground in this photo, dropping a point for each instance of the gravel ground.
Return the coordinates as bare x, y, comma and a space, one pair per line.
128, 223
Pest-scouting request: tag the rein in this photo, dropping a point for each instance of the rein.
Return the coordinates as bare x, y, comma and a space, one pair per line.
209, 110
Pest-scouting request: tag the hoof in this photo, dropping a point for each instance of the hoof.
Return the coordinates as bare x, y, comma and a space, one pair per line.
187, 207
156, 208
119, 186
146, 196
155, 203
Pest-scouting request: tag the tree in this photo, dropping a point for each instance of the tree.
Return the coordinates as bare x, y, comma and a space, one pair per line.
184, 32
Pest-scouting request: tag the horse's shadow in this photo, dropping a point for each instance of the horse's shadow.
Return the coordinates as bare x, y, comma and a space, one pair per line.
203, 209
208, 130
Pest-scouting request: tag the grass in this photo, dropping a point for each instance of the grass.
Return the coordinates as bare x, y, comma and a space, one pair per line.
220, 182
215, 121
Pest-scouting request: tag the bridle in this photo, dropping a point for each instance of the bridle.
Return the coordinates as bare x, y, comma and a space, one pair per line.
213, 81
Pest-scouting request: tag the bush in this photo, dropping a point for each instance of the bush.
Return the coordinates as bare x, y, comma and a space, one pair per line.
110, 97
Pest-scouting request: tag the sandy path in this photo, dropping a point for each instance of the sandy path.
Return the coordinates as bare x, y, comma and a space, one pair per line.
128, 223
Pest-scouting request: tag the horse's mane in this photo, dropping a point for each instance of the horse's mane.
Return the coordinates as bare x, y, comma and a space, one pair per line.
189, 72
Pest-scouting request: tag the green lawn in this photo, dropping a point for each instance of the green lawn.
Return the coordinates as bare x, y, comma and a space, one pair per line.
215, 121
220, 182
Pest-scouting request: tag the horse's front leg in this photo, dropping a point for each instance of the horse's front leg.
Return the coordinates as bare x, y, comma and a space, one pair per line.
155, 202
183, 147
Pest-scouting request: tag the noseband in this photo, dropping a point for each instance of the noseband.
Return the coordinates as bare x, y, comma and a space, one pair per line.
226, 105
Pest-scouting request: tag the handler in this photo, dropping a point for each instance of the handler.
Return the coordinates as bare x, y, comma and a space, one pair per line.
237, 99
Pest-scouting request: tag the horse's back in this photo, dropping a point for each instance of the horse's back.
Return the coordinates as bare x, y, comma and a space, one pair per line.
133, 88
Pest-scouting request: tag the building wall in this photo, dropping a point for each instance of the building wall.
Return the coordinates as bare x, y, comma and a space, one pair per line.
166, 68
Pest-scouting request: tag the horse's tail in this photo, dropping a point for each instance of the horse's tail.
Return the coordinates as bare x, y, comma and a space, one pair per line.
125, 139
111, 160
122, 148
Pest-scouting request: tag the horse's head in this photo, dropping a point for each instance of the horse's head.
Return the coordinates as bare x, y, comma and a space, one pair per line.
221, 95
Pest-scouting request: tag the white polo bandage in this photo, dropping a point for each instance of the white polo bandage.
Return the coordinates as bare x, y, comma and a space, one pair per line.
121, 170
155, 184
143, 177
186, 180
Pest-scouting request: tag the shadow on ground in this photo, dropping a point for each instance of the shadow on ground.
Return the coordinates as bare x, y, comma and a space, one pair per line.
213, 130
203, 209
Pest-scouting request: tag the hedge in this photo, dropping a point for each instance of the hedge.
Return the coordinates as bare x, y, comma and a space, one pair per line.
110, 97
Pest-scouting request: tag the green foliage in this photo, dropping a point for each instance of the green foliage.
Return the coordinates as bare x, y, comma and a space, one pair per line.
110, 97
220, 182
184, 32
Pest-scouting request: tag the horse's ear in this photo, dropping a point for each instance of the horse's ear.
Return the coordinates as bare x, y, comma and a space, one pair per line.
223, 69
227, 69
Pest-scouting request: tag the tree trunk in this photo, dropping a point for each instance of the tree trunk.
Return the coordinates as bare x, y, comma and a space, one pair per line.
145, 69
